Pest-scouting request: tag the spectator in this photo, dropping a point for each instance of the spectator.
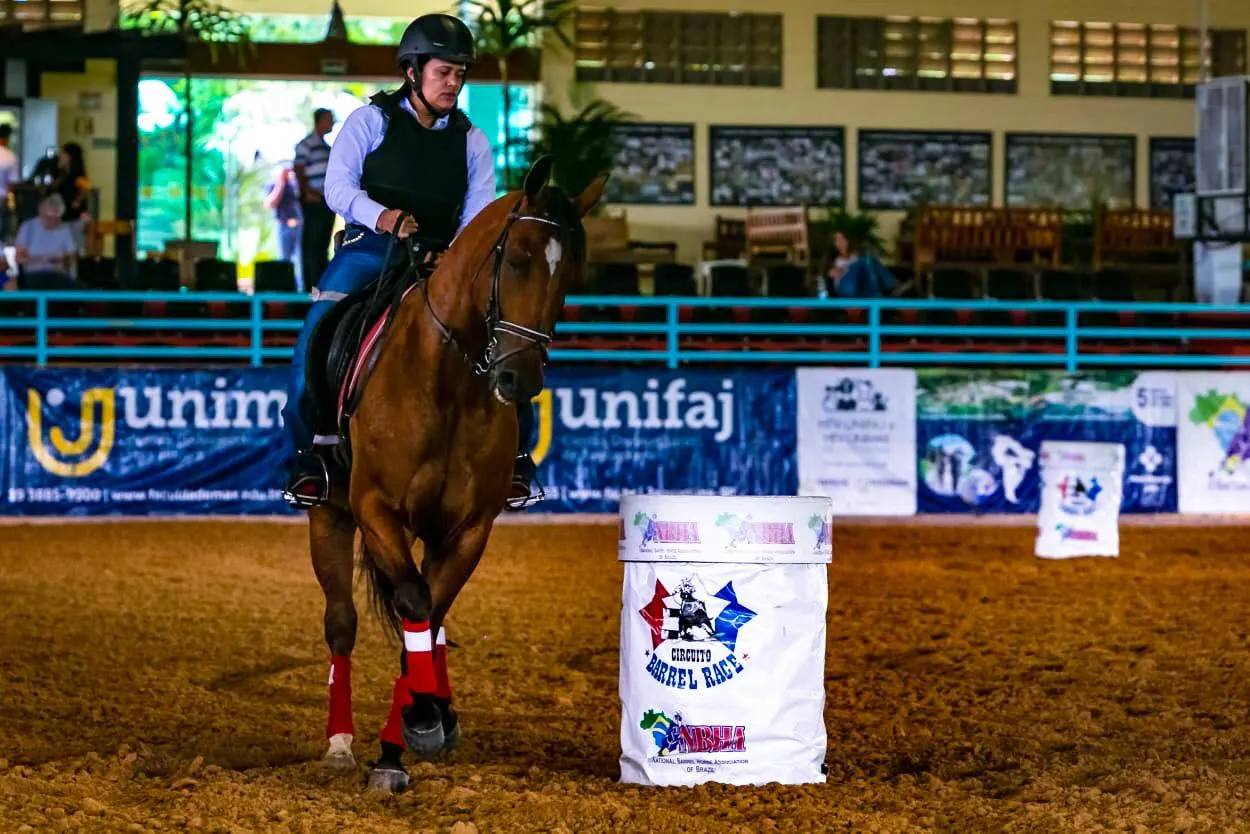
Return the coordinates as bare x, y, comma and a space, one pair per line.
854, 275
46, 250
312, 155
282, 196
72, 185
9, 173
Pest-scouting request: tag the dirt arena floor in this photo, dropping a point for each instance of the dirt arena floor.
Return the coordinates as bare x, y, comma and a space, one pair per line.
172, 676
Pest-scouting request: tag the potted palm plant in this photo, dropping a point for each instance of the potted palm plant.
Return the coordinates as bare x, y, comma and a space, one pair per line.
584, 145
504, 28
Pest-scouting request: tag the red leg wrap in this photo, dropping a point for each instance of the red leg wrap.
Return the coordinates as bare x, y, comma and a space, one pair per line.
392, 730
340, 720
442, 687
419, 645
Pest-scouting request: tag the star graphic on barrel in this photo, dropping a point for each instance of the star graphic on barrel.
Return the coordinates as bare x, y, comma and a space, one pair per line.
727, 613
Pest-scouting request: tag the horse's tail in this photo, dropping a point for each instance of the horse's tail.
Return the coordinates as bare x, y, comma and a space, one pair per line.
381, 593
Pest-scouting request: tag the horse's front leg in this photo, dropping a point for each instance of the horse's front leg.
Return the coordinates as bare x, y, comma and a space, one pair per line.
447, 569
331, 533
403, 597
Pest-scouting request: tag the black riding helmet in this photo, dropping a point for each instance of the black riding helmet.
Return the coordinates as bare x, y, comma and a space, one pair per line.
436, 36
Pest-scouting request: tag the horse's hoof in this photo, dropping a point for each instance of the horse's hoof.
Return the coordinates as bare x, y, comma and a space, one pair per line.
339, 755
388, 780
423, 728
451, 734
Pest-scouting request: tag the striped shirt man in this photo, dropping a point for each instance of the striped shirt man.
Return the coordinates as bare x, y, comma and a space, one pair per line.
312, 157
312, 154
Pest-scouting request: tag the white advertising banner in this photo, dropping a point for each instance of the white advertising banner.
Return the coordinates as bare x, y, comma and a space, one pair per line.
1213, 443
857, 438
722, 661
1082, 488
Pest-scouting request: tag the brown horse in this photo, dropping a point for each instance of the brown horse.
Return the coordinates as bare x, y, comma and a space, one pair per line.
433, 439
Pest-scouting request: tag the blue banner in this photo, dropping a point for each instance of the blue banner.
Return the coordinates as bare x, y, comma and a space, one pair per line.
175, 441
978, 434
604, 432
143, 441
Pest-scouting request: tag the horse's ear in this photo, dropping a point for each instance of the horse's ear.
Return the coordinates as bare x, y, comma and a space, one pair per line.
538, 175
587, 200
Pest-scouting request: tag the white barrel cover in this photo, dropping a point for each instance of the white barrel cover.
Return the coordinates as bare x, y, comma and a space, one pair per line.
723, 639
1082, 490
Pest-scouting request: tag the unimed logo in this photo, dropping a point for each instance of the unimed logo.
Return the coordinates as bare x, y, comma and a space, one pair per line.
77, 457
146, 409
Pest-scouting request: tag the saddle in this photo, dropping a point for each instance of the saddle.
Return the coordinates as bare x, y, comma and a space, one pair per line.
346, 341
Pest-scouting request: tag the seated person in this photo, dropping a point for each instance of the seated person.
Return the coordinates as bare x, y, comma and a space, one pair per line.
854, 275
46, 249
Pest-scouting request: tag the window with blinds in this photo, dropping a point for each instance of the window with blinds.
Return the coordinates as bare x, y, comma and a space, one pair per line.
1138, 59
678, 47
38, 14
916, 53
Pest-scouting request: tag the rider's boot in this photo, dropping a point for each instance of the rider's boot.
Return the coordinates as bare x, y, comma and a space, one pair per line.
520, 495
308, 484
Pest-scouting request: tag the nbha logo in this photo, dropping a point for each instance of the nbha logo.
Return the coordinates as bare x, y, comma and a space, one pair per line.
87, 430
674, 735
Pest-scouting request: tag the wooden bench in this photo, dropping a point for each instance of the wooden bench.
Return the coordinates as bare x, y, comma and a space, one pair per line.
773, 233
1140, 242
730, 243
607, 241
978, 240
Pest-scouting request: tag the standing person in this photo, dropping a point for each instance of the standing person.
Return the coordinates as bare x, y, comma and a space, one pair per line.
410, 153
10, 172
72, 184
312, 155
282, 196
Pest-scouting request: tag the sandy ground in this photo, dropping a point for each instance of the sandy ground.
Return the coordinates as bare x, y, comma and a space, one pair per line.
168, 677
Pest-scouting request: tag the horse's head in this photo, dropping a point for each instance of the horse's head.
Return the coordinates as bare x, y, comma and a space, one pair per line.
541, 250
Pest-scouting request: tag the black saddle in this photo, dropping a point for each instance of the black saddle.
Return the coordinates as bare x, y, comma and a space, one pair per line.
337, 337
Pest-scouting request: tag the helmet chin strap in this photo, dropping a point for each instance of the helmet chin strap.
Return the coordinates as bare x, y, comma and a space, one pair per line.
434, 111
415, 86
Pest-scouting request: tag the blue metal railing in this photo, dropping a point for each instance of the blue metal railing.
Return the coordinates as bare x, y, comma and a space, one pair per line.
868, 348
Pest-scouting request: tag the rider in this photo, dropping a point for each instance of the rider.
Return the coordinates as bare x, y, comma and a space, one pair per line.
410, 154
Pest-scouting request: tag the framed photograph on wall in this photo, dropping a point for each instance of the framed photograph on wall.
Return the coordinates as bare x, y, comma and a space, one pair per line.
1171, 169
899, 169
1071, 170
654, 165
762, 165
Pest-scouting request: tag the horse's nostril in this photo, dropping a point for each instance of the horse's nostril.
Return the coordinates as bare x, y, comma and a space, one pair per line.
507, 380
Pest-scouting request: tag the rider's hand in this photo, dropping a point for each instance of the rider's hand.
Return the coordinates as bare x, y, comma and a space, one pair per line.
388, 219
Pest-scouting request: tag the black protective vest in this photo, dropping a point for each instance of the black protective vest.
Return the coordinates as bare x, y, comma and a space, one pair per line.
420, 171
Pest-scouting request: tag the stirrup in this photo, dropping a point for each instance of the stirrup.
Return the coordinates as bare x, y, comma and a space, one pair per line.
311, 489
528, 497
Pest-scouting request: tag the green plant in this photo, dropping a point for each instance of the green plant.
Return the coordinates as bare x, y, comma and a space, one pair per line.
859, 228
584, 145
505, 27
194, 21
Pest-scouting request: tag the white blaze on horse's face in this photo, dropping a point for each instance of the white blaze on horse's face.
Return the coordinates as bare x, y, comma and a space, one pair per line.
554, 253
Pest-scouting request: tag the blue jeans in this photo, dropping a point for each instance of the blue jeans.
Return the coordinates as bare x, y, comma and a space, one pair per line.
355, 264
288, 248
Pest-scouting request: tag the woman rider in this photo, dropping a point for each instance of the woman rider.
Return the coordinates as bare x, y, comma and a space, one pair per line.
409, 153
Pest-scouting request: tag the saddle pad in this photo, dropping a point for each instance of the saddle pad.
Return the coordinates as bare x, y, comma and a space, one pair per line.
352, 378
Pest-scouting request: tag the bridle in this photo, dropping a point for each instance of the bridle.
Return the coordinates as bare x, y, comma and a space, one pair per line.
494, 321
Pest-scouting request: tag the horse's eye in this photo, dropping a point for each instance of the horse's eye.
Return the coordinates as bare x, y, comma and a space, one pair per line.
518, 259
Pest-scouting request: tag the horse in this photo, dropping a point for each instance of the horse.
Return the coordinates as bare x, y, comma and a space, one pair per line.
433, 436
